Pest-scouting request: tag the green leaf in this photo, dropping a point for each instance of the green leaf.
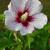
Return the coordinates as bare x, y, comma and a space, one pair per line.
18, 47
5, 41
40, 40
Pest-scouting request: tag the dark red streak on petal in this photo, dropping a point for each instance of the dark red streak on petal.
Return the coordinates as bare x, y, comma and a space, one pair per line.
26, 11
18, 20
20, 14
26, 22
29, 18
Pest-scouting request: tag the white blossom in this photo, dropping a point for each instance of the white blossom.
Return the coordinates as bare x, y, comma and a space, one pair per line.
25, 16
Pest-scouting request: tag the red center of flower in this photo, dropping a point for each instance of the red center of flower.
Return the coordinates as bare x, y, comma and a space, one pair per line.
24, 18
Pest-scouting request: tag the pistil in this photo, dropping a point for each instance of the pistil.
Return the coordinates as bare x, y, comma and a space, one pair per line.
24, 16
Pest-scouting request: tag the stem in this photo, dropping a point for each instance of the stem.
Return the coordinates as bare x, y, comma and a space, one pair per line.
15, 36
29, 47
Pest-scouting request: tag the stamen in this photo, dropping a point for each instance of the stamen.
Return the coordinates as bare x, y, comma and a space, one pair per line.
24, 16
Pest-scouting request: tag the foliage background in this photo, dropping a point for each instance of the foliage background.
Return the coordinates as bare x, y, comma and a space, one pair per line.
38, 40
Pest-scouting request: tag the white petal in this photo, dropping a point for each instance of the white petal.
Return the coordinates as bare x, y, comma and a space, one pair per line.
13, 26
26, 30
40, 20
34, 6
10, 21
12, 9
9, 6
9, 15
19, 4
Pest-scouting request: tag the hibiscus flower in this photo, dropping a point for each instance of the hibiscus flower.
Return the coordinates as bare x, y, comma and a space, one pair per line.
25, 16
